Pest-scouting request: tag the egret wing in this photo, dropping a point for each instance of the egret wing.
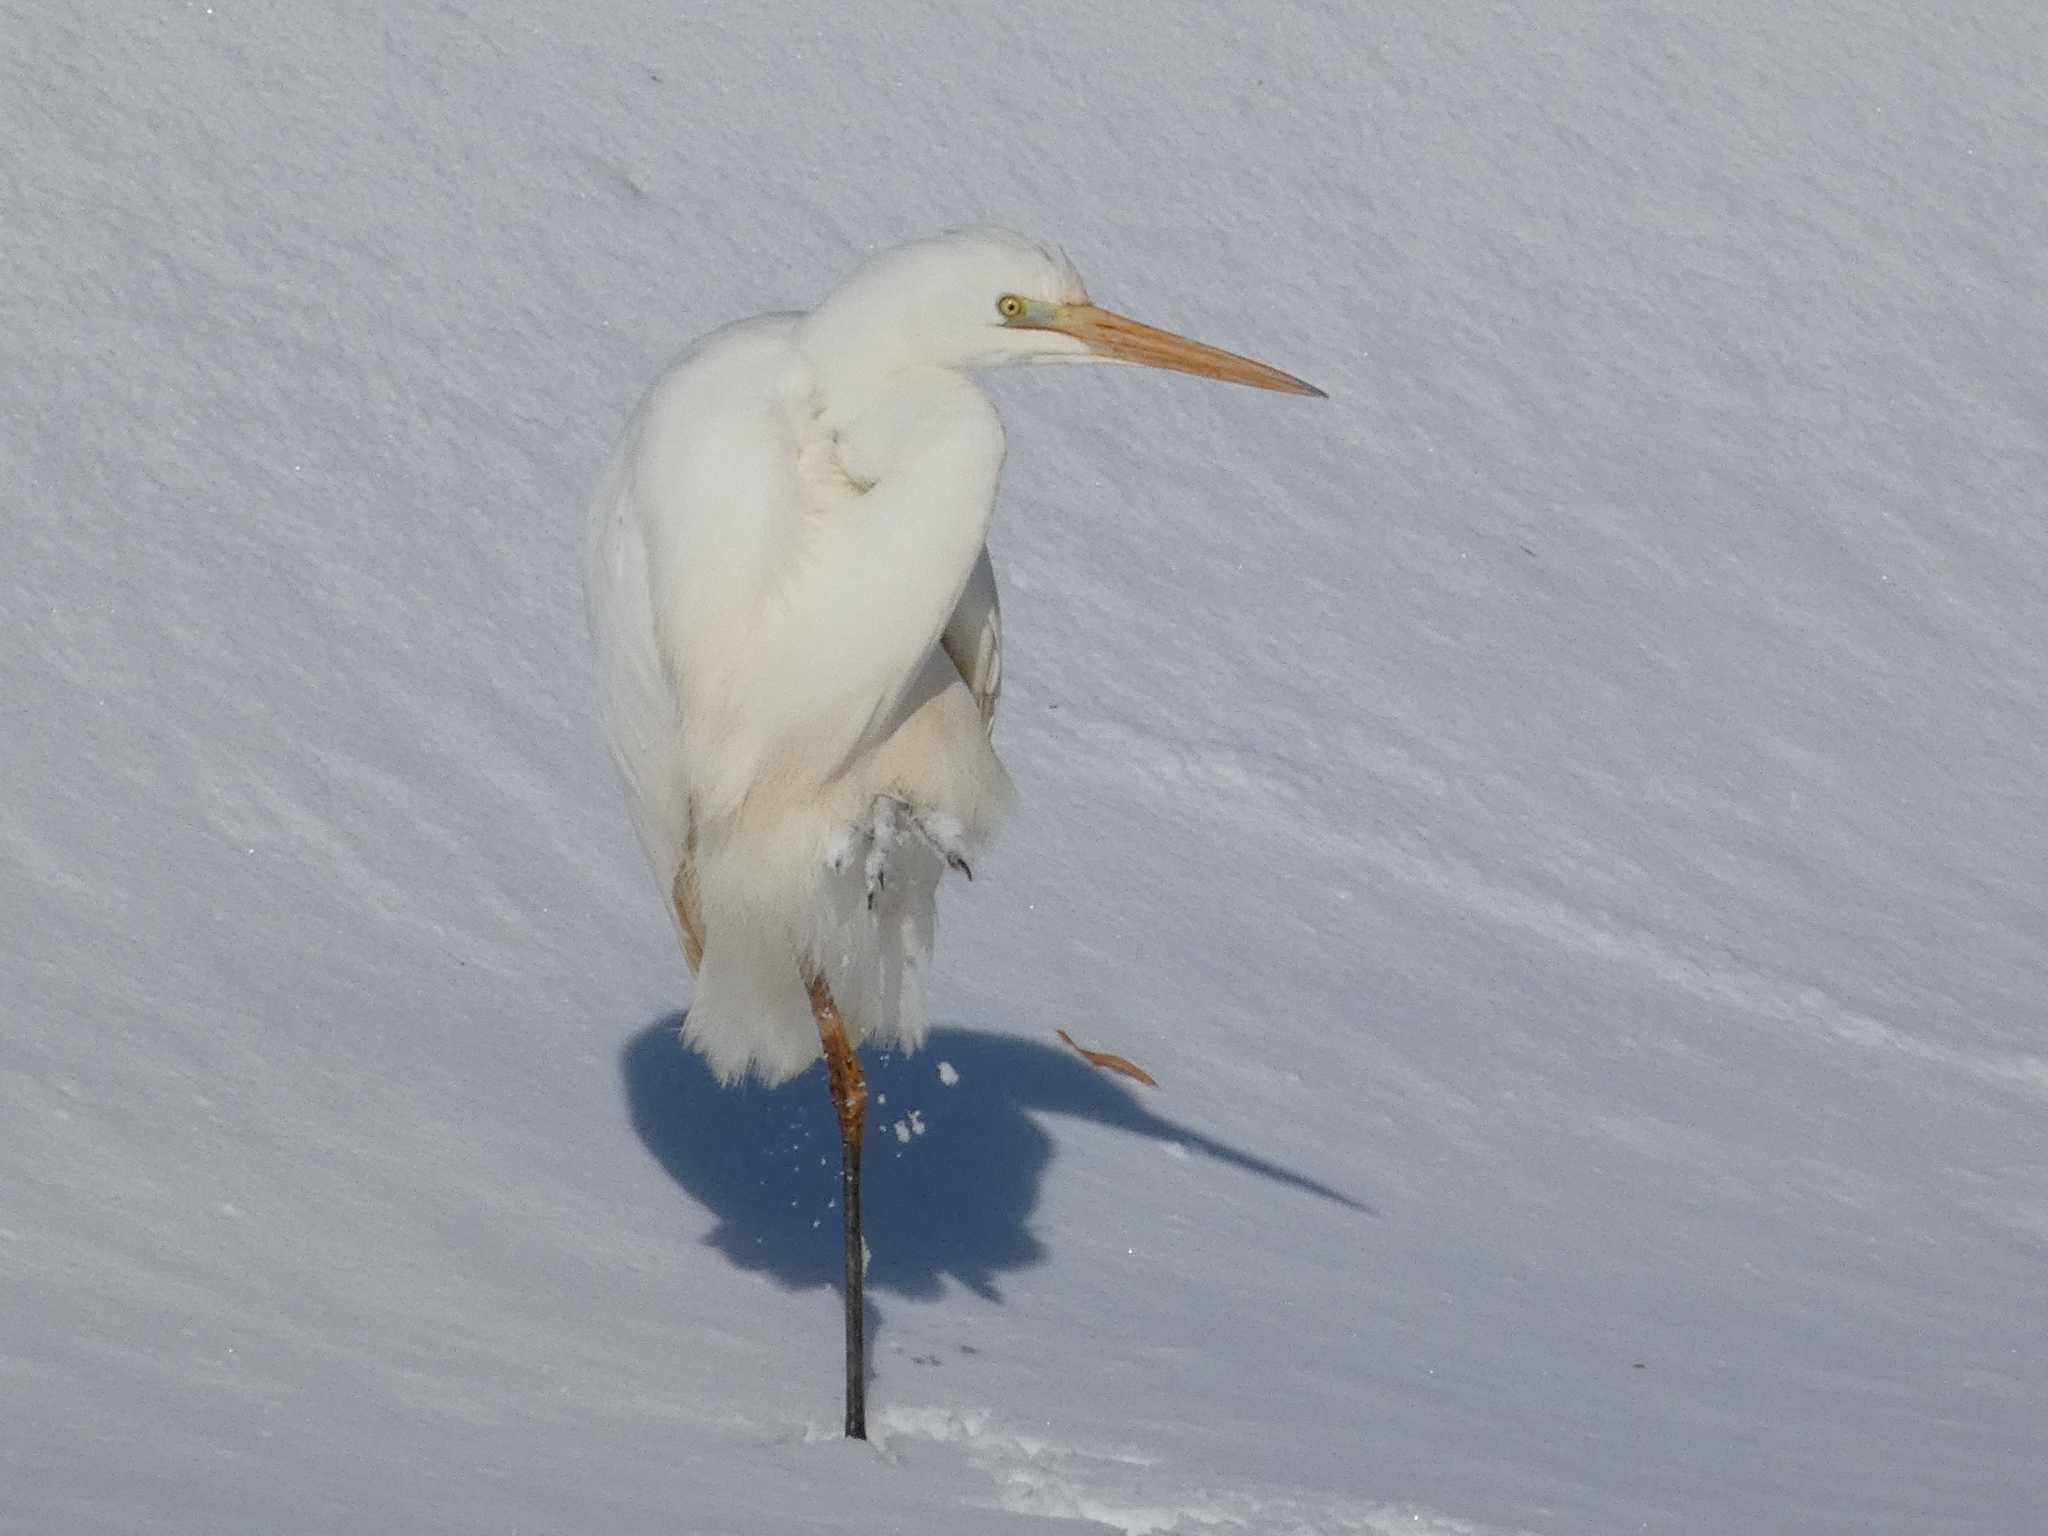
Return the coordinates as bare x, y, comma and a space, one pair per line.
973, 638
663, 546
640, 707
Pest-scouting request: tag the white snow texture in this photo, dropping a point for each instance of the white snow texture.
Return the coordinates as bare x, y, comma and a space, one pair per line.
1562, 818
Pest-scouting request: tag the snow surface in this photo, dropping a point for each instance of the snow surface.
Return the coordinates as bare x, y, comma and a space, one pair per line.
1562, 819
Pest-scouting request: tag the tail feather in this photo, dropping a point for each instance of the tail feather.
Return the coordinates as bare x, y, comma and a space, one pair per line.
776, 927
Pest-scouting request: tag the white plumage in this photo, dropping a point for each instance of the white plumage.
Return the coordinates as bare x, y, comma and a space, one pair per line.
793, 605
795, 613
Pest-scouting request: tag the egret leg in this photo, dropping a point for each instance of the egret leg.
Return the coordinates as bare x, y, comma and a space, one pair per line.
689, 910
850, 1099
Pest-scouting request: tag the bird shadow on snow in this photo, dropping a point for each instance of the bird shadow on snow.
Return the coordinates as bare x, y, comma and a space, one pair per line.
952, 1170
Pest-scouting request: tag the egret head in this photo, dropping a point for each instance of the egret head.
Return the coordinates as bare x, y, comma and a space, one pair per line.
982, 297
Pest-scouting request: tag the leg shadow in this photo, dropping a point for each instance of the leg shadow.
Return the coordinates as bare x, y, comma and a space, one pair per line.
954, 1158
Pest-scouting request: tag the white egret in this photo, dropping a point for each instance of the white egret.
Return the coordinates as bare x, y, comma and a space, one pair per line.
796, 619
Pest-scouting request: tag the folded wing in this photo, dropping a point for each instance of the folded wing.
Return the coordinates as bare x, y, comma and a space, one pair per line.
973, 638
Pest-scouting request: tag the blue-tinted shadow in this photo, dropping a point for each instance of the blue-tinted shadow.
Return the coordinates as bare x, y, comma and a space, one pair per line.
952, 1168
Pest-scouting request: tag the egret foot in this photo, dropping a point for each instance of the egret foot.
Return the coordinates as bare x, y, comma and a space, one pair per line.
947, 837
876, 839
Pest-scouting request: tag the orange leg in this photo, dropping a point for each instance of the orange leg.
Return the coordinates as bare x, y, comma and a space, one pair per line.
689, 910
850, 1099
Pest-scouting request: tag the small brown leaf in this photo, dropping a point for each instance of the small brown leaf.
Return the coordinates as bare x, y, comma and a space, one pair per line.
1123, 1066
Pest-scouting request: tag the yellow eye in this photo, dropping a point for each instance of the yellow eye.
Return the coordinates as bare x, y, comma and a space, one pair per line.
1009, 306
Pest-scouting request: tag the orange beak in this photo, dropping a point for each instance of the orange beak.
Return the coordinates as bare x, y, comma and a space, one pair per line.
1129, 341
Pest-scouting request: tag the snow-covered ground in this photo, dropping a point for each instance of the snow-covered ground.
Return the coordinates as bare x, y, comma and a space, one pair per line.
1563, 819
